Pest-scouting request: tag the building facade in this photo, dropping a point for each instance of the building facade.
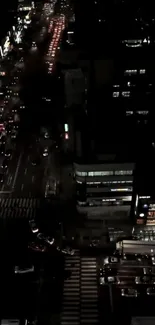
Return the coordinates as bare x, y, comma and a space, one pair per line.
104, 189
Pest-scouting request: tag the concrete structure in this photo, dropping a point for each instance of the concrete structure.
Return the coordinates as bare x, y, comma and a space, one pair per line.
104, 188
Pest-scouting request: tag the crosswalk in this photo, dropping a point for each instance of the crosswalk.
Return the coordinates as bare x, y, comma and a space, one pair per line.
89, 291
80, 292
19, 207
71, 293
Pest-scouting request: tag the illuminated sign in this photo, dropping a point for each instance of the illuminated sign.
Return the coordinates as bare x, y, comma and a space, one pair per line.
66, 127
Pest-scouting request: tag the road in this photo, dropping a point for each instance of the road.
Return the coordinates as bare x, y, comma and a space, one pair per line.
22, 179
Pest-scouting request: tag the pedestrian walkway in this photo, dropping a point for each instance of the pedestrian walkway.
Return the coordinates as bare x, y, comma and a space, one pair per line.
89, 291
80, 294
19, 207
71, 292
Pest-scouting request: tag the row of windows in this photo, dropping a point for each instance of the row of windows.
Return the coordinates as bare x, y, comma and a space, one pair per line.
97, 203
125, 94
134, 71
104, 173
137, 112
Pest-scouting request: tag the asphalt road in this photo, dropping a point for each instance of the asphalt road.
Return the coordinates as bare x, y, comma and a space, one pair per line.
22, 179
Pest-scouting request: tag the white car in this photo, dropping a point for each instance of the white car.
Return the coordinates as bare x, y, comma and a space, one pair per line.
66, 251
33, 226
110, 259
47, 239
24, 269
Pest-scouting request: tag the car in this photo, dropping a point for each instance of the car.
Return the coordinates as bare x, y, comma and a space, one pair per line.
150, 291
49, 240
1, 178
142, 279
147, 270
4, 164
66, 251
109, 280
45, 152
129, 292
37, 247
110, 259
153, 260
24, 269
33, 226
8, 153
102, 280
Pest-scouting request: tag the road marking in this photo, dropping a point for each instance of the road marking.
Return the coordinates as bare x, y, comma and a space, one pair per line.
32, 179
9, 180
22, 187
5, 192
25, 172
17, 170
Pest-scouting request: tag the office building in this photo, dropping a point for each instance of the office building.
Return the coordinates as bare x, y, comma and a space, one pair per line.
105, 188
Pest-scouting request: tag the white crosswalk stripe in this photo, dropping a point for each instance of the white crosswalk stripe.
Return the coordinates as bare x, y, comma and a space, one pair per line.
71, 293
80, 292
89, 291
18, 207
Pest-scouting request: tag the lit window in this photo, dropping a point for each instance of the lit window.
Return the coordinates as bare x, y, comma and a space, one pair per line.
129, 72
142, 71
128, 189
116, 86
126, 93
128, 113
100, 173
142, 112
115, 94
123, 172
81, 173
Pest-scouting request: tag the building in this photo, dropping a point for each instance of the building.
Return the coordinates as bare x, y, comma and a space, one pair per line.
74, 87
104, 189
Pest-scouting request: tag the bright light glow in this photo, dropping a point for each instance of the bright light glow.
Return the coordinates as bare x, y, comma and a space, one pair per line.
115, 94
141, 215
1, 51
66, 136
142, 71
66, 127
129, 72
121, 189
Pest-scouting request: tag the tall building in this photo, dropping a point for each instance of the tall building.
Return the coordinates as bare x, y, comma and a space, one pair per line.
104, 185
